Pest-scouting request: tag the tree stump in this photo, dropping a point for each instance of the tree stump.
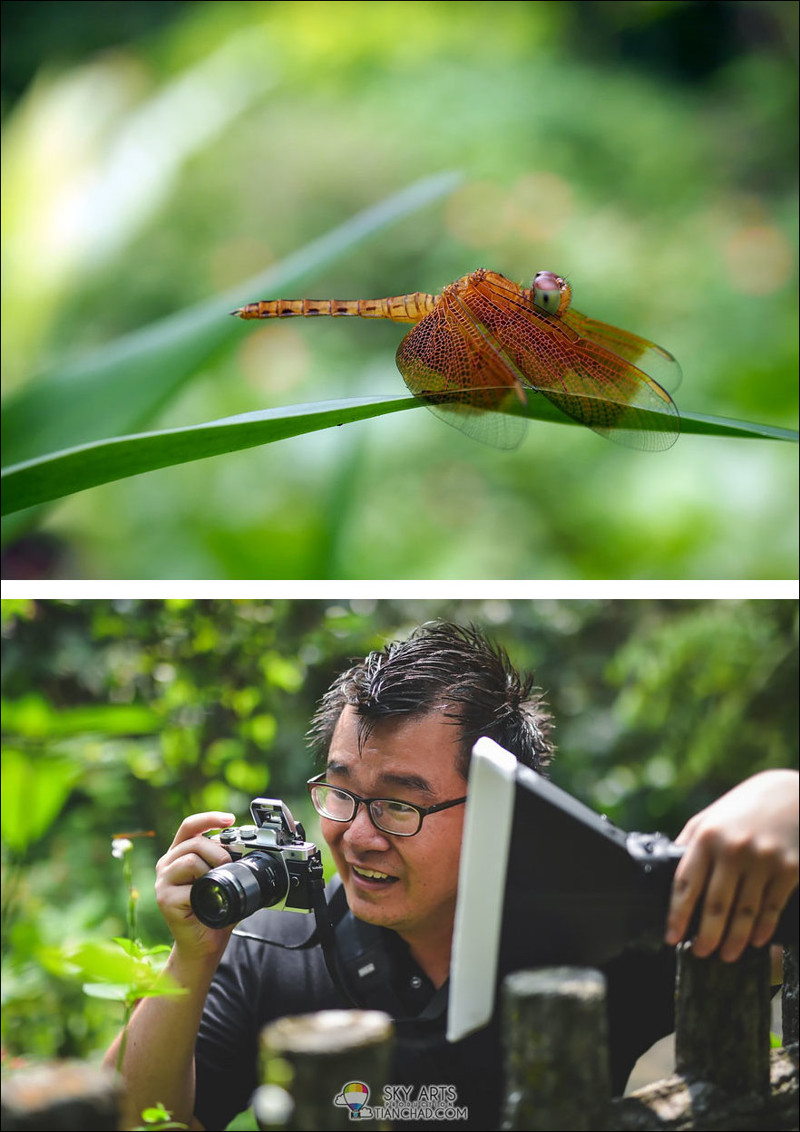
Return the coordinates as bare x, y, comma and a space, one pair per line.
60, 1098
326, 1052
557, 1074
722, 1021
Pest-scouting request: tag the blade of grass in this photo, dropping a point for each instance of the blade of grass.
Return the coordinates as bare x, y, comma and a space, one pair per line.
74, 469
706, 425
78, 468
121, 386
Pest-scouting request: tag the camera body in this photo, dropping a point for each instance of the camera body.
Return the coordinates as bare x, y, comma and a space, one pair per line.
271, 864
655, 851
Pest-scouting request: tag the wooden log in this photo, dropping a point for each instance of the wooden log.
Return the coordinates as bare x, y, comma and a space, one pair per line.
61, 1097
557, 1072
325, 1052
722, 1021
678, 1105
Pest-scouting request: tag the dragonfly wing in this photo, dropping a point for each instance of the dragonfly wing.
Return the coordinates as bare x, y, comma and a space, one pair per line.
582, 377
461, 378
651, 359
615, 399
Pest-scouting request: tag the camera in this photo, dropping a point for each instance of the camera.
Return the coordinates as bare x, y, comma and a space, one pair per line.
272, 863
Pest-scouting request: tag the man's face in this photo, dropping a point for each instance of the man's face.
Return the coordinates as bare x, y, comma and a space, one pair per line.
405, 883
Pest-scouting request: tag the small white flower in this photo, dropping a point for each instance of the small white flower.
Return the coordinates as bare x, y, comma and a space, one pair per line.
120, 846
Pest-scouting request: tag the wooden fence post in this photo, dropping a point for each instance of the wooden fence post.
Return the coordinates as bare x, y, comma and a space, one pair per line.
722, 1020
327, 1051
61, 1097
727, 1077
557, 1074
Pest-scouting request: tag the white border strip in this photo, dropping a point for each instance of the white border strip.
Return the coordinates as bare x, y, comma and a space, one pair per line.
429, 590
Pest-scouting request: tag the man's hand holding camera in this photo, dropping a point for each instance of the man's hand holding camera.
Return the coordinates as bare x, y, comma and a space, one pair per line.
159, 1051
190, 856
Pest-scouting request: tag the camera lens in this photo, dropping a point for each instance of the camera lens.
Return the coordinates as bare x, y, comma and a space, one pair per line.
229, 893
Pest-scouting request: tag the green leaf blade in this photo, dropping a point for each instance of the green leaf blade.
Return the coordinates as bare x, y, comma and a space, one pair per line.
121, 386
76, 469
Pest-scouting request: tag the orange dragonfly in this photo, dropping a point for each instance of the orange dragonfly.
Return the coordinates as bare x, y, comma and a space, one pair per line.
484, 341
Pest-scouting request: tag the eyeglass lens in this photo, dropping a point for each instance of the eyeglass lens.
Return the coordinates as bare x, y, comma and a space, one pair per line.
388, 815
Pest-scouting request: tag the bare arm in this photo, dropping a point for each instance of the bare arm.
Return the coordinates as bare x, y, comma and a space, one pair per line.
158, 1064
742, 852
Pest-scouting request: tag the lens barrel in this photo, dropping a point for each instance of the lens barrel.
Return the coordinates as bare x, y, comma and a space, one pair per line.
232, 892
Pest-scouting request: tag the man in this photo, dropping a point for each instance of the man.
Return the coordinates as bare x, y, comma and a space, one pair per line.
395, 732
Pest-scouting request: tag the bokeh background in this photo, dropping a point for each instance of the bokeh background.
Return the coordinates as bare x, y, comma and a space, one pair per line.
125, 716
156, 155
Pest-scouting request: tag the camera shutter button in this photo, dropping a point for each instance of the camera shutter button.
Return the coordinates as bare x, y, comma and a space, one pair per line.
227, 836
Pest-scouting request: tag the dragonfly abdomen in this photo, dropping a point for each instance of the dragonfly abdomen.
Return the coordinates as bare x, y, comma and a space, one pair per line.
399, 308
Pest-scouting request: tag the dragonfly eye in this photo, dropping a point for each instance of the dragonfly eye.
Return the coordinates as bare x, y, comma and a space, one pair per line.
550, 292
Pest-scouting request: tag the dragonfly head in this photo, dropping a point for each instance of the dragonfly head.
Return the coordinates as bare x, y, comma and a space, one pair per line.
550, 292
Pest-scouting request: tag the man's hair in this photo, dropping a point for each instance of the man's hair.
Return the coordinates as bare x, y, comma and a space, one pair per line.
449, 668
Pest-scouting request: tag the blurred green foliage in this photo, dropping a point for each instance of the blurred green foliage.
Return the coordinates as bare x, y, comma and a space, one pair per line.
648, 151
121, 717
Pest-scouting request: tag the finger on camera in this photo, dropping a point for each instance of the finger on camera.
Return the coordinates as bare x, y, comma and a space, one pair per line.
188, 867
739, 929
197, 824
687, 889
719, 902
774, 900
207, 848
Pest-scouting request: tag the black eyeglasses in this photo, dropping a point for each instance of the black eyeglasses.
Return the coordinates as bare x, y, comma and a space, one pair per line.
401, 819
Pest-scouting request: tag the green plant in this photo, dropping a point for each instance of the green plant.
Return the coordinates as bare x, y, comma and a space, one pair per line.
123, 969
157, 1119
